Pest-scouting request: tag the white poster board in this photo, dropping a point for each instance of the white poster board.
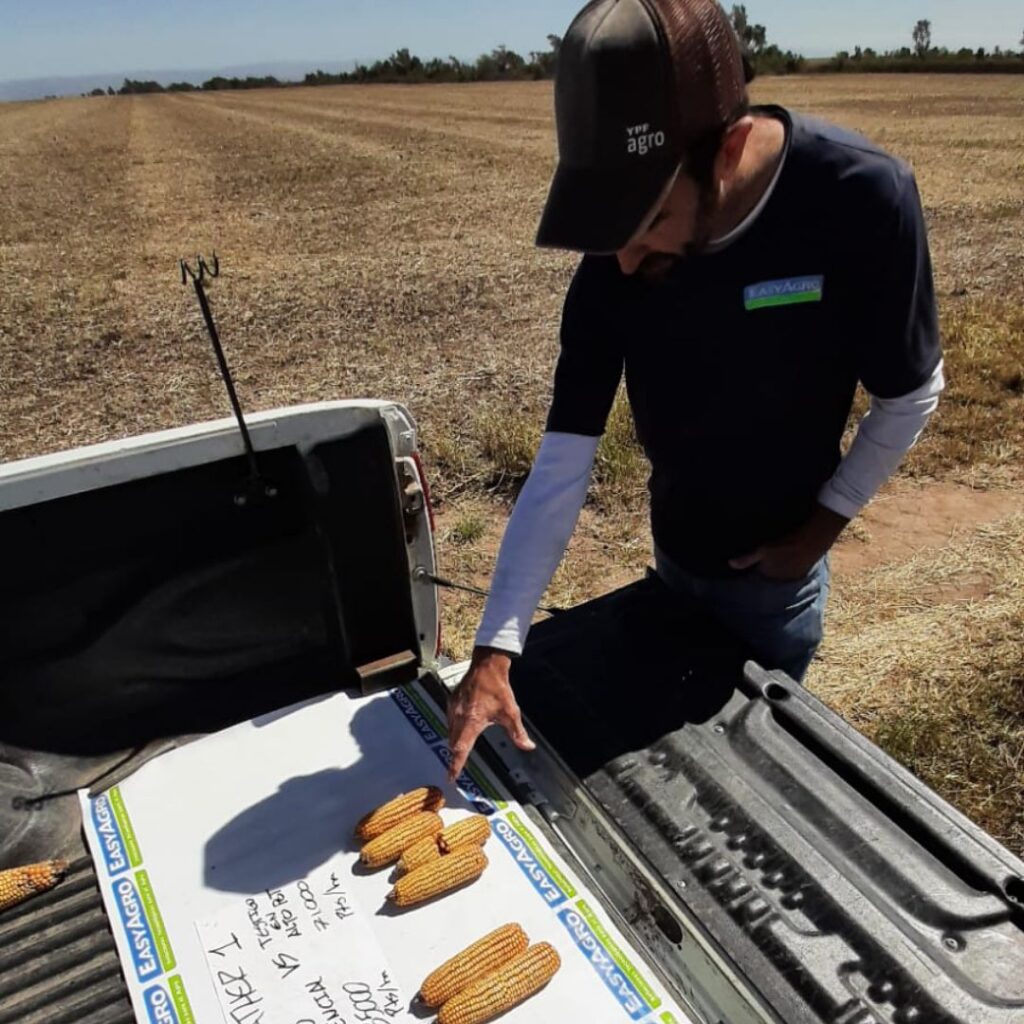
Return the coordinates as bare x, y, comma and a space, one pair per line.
231, 878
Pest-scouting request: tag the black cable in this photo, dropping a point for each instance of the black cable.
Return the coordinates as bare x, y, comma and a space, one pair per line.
440, 581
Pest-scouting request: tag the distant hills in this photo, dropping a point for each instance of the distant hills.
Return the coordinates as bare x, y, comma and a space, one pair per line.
75, 85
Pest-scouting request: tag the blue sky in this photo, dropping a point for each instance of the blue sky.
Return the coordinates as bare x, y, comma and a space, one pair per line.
48, 37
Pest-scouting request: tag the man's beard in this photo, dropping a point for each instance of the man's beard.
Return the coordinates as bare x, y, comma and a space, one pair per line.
657, 266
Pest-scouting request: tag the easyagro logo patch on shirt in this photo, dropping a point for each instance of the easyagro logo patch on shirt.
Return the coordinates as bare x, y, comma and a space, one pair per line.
787, 292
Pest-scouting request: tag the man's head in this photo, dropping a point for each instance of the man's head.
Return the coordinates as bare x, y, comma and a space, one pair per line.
650, 104
681, 221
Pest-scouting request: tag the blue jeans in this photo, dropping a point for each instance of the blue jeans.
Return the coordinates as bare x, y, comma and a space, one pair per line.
781, 621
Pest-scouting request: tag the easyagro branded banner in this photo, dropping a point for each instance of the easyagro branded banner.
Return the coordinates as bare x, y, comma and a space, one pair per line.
138, 925
231, 878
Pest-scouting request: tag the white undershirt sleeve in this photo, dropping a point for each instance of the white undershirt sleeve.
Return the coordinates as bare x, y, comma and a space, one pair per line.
536, 537
889, 429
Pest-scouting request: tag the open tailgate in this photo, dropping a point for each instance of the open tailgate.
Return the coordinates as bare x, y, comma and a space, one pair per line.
777, 865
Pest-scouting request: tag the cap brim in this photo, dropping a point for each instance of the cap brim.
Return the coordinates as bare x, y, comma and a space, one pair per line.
600, 211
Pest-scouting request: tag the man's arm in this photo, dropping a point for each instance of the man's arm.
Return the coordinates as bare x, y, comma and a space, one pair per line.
889, 429
536, 537
587, 376
535, 540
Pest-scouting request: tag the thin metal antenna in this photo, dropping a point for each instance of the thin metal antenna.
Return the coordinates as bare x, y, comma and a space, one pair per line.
258, 487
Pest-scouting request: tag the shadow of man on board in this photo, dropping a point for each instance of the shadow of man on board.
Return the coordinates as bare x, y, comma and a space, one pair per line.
310, 818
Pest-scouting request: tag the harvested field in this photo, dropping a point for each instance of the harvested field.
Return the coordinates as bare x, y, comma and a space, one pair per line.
378, 241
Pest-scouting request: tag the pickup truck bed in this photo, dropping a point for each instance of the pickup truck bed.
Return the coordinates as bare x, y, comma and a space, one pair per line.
774, 865
149, 597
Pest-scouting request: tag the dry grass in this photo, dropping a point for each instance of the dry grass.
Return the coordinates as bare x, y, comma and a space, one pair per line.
468, 530
981, 429
378, 241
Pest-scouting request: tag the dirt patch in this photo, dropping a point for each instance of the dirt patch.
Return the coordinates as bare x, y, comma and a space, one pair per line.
905, 520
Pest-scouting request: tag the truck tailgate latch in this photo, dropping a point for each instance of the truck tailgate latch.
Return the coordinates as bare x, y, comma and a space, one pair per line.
413, 498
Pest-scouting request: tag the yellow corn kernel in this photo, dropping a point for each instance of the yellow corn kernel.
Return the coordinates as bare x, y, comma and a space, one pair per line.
392, 844
421, 852
474, 830
387, 816
504, 988
18, 884
483, 957
462, 865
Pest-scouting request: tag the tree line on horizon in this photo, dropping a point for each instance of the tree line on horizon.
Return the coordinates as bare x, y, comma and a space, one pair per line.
503, 64
922, 56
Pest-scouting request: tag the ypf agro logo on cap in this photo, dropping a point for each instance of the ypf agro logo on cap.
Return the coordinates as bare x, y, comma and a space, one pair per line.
640, 139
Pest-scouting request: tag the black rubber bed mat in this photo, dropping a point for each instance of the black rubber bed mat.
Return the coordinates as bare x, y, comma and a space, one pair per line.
57, 958
840, 886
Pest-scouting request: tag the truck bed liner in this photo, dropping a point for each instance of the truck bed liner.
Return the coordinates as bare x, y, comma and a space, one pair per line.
844, 889
58, 958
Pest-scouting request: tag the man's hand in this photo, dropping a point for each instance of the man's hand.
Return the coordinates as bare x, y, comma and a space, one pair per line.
483, 698
793, 557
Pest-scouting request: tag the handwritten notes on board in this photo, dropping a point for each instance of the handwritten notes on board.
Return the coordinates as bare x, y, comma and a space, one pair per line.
301, 954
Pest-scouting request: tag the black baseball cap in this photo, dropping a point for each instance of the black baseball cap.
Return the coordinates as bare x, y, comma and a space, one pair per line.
638, 81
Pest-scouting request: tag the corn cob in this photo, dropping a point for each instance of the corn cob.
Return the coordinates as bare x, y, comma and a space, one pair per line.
499, 991
379, 820
466, 864
18, 884
424, 851
473, 830
390, 846
483, 957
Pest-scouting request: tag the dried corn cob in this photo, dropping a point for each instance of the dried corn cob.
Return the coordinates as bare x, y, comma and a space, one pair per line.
18, 884
378, 821
391, 845
499, 991
483, 957
474, 830
462, 865
424, 851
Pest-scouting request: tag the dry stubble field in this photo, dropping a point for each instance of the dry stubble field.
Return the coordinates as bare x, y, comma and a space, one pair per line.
376, 241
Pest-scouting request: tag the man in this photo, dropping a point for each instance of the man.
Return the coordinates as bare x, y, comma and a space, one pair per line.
744, 269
